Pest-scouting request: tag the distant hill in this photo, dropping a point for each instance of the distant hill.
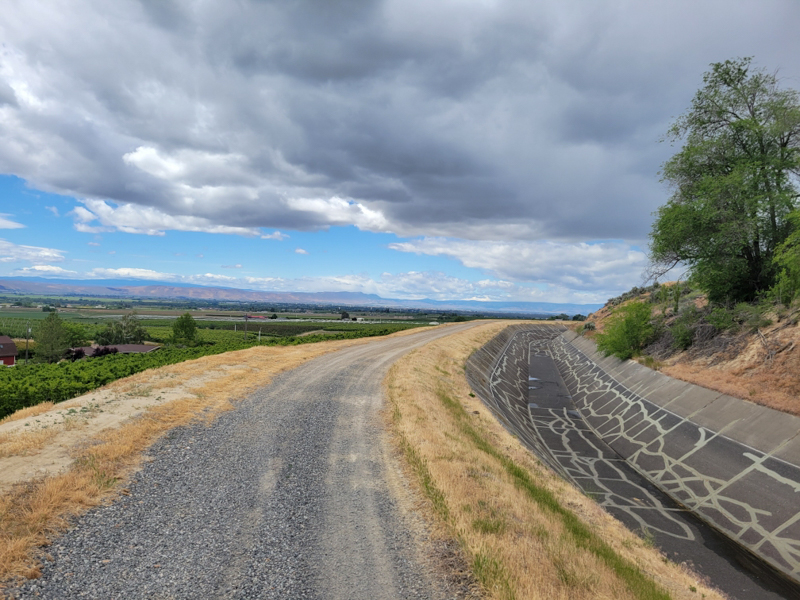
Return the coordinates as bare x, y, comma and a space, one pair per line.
112, 288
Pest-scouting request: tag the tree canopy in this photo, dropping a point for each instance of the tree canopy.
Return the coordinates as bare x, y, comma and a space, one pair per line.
51, 338
734, 183
127, 330
184, 330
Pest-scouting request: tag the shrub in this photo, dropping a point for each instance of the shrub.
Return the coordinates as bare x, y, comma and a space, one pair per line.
628, 331
721, 318
683, 328
751, 316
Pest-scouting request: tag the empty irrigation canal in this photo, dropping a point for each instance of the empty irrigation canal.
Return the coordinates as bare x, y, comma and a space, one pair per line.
517, 375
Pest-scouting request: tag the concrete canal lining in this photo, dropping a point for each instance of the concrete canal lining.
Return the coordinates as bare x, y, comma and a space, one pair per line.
658, 453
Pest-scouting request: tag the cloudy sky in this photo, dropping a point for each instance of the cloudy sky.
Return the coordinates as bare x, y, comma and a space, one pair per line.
451, 149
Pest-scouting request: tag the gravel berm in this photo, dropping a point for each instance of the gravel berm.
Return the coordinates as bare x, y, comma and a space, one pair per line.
294, 494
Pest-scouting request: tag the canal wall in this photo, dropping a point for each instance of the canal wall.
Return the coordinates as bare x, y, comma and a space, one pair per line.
732, 463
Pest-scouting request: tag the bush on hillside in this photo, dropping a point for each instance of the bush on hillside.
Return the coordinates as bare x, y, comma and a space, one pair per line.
683, 328
628, 331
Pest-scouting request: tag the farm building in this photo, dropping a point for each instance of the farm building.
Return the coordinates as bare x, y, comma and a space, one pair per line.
8, 351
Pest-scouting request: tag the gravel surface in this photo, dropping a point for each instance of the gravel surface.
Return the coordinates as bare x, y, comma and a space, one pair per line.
293, 494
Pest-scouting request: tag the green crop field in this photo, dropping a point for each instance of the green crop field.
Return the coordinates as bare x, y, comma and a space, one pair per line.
27, 385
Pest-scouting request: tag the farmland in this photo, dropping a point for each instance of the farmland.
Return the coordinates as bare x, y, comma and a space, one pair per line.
29, 384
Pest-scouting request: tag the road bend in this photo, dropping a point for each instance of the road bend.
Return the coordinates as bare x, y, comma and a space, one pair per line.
291, 495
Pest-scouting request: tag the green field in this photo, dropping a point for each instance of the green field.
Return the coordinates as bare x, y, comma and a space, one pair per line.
30, 384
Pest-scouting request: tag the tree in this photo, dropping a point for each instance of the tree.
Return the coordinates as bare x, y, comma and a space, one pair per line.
75, 334
51, 338
787, 259
127, 330
734, 183
345, 315
184, 330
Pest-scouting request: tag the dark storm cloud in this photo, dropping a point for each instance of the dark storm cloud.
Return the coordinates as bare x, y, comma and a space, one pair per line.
478, 119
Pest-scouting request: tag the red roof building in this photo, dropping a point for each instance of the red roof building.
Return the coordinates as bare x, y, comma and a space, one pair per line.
8, 351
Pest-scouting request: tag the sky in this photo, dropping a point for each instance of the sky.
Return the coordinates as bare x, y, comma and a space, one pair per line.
452, 149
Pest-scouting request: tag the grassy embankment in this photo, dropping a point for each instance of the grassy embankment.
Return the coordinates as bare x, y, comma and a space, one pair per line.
525, 532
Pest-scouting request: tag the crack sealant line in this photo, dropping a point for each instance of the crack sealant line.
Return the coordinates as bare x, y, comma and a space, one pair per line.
636, 467
766, 536
749, 447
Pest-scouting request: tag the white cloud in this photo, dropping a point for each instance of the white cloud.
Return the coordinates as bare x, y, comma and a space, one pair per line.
50, 270
132, 218
338, 211
186, 166
599, 267
10, 252
300, 251
53, 210
277, 235
236, 266
92, 244
210, 279
8, 223
412, 285
132, 273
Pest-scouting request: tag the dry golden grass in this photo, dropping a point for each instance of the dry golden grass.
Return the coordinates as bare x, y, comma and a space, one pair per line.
32, 513
25, 442
527, 534
31, 411
775, 383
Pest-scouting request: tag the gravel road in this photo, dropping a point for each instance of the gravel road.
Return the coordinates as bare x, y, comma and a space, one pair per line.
294, 494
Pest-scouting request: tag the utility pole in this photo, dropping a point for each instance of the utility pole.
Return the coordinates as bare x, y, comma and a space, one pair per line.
27, 335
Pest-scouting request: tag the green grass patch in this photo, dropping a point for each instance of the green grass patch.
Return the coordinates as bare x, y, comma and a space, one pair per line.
489, 571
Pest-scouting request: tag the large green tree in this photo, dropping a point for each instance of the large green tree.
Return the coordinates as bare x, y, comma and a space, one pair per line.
184, 330
734, 183
52, 338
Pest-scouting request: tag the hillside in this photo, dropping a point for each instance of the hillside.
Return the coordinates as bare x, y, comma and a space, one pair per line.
751, 352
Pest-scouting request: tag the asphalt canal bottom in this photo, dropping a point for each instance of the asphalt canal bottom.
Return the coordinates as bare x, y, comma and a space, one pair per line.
532, 400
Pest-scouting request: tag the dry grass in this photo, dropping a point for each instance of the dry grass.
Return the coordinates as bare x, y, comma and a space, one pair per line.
775, 383
527, 534
32, 513
749, 372
25, 442
31, 411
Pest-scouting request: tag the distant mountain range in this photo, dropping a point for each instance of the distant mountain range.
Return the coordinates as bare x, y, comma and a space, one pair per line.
118, 288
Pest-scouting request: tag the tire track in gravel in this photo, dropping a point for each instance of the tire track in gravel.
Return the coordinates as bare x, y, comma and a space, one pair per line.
293, 494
